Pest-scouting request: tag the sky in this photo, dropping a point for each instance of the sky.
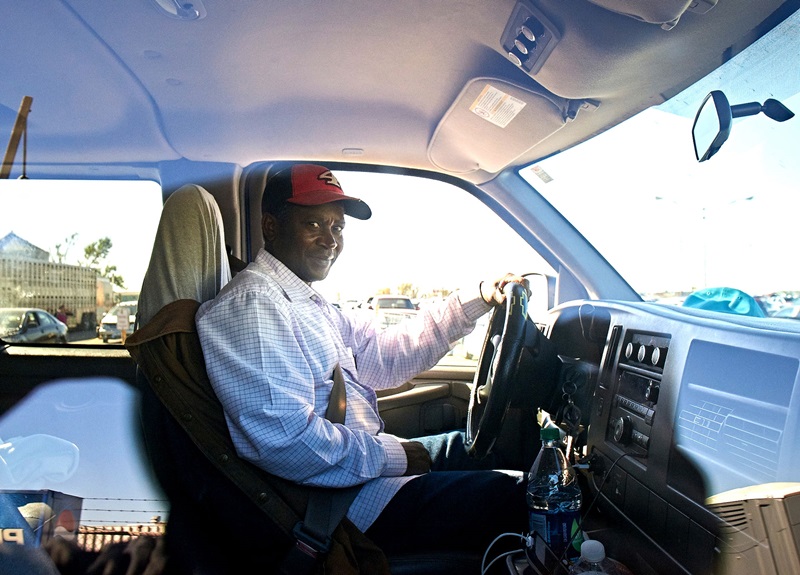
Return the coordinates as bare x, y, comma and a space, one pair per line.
47, 212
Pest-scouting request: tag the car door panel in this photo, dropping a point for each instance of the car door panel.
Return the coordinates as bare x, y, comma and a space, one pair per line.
434, 402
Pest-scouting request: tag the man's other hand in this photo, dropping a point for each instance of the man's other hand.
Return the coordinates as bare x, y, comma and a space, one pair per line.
492, 291
419, 460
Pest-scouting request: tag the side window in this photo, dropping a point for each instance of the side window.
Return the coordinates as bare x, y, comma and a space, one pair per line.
80, 255
425, 239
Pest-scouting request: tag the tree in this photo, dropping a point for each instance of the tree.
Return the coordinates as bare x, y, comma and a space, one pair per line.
97, 251
407, 289
115, 279
68, 243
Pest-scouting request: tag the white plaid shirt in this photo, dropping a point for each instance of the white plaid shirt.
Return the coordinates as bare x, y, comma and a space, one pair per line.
271, 343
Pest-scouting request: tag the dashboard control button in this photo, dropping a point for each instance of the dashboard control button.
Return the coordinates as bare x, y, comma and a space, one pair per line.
622, 430
640, 439
651, 393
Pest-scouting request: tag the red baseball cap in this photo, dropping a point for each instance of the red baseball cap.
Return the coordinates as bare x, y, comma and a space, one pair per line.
309, 185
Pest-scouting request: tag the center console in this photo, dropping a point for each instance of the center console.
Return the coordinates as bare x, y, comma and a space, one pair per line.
632, 454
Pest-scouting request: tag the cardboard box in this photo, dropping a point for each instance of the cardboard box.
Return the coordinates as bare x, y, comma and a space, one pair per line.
34, 517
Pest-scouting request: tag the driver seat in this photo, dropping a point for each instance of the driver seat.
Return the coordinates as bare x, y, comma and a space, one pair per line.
223, 509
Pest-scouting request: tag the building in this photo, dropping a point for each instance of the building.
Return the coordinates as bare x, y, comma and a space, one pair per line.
29, 279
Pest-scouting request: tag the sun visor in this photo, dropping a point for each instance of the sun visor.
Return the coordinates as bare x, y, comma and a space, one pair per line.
664, 12
492, 122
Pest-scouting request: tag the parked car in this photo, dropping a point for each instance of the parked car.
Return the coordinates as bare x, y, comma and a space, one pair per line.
622, 154
108, 328
392, 309
792, 311
25, 325
386, 302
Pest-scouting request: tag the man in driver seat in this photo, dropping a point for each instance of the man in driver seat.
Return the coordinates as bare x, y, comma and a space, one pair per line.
271, 344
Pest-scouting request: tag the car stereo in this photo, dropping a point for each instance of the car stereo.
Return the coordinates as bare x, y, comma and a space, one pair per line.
635, 398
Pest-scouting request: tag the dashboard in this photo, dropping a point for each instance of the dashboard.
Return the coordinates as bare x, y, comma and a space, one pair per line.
684, 406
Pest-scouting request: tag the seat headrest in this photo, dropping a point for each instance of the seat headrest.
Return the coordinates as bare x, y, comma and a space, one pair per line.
189, 258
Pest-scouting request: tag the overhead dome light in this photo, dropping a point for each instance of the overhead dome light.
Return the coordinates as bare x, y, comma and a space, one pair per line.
182, 9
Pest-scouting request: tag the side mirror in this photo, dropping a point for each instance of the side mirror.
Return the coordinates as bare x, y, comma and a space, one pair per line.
712, 123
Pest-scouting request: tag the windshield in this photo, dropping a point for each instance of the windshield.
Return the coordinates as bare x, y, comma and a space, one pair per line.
673, 226
10, 320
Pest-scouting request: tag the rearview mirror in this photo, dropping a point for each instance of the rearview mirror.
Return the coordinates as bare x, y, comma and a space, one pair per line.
712, 123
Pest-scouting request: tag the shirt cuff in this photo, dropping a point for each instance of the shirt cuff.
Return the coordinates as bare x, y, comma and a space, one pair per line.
475, 307
396, 461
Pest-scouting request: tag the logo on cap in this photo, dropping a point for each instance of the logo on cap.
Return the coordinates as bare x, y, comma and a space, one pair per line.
330, 179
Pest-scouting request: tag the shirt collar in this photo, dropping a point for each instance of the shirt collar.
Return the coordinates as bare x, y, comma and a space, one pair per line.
294, 288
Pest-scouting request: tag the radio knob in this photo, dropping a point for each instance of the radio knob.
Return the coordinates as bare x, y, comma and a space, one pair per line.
642, 353
628, 350
656, 356
622, 429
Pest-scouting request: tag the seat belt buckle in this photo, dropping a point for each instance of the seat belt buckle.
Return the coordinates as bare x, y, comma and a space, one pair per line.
308, 543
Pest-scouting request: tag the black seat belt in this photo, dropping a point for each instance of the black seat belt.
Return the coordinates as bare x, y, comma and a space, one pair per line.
326, 507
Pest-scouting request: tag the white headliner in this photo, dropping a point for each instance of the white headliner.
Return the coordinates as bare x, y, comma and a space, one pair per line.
270, 80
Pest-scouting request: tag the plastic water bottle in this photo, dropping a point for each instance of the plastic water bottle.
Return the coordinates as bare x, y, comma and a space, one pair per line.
554, 501
593, 560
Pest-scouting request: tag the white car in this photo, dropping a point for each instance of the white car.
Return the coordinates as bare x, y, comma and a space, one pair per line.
792, 311
109, 325
392, 309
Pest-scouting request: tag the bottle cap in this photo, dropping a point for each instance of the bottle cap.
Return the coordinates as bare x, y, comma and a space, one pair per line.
593, 551
550, 433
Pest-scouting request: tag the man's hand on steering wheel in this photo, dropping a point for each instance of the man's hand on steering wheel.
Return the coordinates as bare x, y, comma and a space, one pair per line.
492, 291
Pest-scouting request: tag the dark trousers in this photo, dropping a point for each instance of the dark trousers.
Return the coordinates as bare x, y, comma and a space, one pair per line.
461, 505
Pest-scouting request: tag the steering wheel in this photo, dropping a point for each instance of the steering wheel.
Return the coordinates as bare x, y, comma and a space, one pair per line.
493, 385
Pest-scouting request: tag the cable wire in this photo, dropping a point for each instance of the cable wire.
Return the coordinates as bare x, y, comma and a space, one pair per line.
522, 537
